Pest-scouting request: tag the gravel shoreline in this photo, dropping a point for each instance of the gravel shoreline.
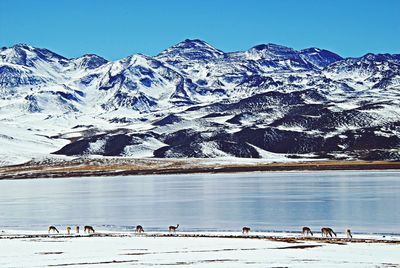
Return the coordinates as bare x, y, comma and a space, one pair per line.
125, 167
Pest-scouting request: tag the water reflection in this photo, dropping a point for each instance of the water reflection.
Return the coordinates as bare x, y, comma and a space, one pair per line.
364, 201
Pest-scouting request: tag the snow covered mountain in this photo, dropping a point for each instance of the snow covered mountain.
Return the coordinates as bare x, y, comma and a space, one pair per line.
193, 100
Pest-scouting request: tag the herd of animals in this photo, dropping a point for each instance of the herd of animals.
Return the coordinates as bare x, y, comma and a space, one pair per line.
306, 231
325, 231
89, 229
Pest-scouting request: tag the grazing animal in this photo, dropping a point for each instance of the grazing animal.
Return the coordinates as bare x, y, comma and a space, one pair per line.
245, 230
349, 234
307, 231
53, 229
327, 232
77, 229
88, 229
68, 230
139, 229
173, 228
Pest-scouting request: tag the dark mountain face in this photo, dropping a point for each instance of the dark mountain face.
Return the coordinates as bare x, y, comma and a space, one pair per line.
320, 57
193, 100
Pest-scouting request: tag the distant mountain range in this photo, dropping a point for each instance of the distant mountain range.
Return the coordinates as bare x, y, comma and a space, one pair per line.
193, 100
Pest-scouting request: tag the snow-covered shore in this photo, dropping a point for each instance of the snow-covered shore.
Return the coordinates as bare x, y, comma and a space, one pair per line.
122, 249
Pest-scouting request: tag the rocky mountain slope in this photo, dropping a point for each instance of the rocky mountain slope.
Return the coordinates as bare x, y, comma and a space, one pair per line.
193, 100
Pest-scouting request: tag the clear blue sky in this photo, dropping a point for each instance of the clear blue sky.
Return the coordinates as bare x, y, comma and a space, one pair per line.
118, 28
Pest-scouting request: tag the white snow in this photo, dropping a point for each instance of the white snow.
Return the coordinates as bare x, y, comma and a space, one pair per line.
19, 145
143, 150
128, 249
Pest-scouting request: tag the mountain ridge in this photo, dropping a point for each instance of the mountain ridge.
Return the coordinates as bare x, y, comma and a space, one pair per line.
194, 100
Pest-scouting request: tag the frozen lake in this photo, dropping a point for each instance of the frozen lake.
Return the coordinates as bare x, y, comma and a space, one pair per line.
366, 202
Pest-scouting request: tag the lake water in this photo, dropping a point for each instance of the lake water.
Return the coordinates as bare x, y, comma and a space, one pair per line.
281, 201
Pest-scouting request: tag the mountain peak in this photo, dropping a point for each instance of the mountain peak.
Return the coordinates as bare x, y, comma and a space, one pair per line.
381, 57
311, 50
320, 57
27, 55
190, 49
193, 43
22, 45
270, 47
272, 52
267, 50
308, 58
90, 61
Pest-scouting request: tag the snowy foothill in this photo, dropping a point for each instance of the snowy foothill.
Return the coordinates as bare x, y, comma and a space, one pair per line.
122, 249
